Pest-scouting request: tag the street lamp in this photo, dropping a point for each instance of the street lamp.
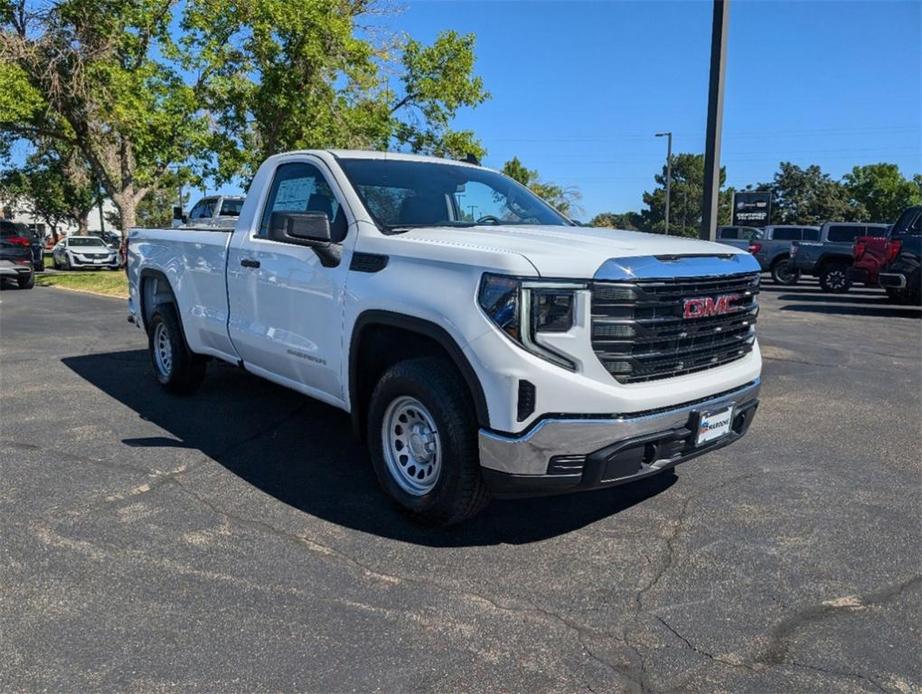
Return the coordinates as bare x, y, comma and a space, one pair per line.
668, 137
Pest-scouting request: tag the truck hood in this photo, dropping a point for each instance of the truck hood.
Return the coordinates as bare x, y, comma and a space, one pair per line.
565, 252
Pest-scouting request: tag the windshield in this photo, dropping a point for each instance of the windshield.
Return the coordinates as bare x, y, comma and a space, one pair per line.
402, 194
85, 242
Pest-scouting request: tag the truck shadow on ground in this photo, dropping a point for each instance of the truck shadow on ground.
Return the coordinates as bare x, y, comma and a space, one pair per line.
304, 454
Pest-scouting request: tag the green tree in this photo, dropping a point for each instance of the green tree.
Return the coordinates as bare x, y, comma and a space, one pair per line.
102, 81
57, 191
630, 221
881, 190
686, 198
809, 196
293, 74
563, 199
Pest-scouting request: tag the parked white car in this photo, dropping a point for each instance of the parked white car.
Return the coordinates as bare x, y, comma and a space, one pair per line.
483, 344
76, 252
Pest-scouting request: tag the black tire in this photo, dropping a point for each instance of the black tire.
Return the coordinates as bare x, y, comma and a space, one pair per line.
184, 371
914, 289
893, 295
26, 282
783, 273
834, 278
459, 491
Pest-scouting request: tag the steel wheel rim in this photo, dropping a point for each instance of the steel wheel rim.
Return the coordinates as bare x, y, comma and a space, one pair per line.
163, 350
412, 446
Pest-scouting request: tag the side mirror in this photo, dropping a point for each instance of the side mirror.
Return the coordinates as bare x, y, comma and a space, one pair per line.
306, 229
179, 217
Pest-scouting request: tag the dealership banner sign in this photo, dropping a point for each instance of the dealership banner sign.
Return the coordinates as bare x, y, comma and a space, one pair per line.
752, 208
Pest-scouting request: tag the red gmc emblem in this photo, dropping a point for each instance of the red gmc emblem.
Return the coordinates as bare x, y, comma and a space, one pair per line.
702, 307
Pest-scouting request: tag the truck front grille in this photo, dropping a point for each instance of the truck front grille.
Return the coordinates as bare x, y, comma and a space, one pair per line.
640, 331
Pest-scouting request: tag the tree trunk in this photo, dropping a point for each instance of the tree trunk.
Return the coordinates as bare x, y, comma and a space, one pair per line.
83, 225
127, 206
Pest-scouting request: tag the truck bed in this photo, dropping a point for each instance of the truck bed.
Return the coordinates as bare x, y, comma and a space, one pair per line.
195, 263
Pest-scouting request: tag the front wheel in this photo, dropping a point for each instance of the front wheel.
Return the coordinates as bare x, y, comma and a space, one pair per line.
177, 369
26, 282
423, 441
834, 278
783, 272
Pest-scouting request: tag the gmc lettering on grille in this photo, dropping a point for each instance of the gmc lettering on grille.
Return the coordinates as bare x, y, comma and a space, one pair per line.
705, 306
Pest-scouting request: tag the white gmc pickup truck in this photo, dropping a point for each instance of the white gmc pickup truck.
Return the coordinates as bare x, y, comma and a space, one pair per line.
483, 344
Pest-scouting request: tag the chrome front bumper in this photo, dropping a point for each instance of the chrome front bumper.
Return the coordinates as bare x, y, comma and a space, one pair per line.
559, 454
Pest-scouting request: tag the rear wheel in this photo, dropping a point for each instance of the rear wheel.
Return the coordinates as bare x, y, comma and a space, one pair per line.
26, 282
423, 441
783, 272
177, 369
834, 278
914, 288
893, 295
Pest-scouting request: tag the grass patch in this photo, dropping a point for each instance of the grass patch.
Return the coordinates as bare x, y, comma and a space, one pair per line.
98, 281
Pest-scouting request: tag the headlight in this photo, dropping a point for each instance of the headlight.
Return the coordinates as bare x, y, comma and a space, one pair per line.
524, 308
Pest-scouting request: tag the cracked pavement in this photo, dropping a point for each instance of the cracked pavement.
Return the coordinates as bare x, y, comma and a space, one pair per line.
236, 540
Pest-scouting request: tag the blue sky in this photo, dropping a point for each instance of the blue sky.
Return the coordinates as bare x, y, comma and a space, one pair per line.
579, 88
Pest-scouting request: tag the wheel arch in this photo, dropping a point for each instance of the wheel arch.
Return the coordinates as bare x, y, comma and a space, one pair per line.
831, 258
369, 326
156, 290
783, 255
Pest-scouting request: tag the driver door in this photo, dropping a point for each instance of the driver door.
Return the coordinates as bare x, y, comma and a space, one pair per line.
285, 306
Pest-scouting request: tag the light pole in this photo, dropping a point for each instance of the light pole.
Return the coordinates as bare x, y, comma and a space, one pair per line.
711, 202
668, 137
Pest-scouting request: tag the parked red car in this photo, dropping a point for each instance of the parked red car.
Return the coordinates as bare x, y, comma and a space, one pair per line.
871, 254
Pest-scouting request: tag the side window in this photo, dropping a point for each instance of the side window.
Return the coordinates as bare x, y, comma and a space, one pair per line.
811, 234
844, 234
729, 233
787, 235
916, 227
300, 187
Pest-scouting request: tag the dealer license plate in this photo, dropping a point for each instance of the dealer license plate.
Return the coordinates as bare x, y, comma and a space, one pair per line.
714, 425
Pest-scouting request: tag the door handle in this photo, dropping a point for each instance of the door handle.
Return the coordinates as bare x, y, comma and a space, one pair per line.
248, 262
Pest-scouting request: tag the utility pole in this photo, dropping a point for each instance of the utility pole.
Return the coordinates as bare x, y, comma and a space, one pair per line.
668, 137
710, 207
102, 216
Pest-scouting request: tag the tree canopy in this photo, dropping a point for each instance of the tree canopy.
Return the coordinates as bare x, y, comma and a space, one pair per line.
809, 196
279, 75
54, 189
686, 198
881, 191
239, 81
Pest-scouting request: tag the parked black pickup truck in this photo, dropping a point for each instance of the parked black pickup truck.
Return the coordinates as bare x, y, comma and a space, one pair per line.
902, 278
831, 257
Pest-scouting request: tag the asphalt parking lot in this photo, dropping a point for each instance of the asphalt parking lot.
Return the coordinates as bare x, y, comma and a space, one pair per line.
236, 540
